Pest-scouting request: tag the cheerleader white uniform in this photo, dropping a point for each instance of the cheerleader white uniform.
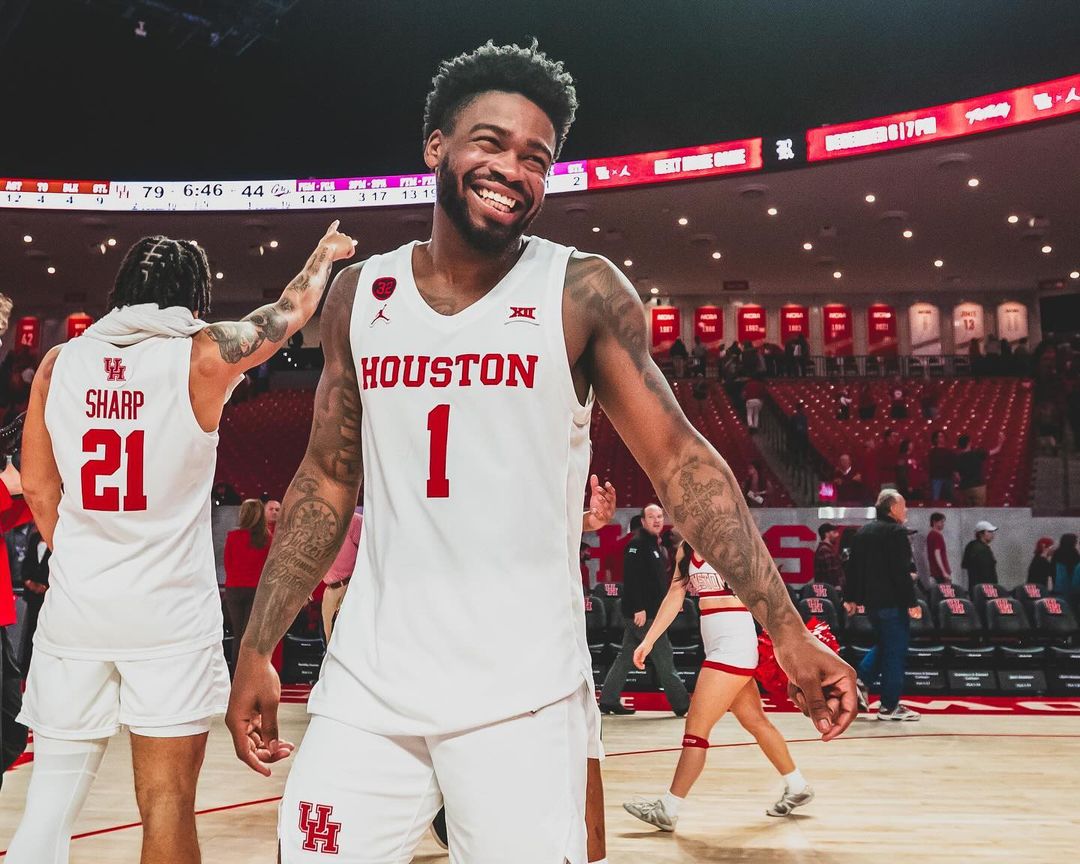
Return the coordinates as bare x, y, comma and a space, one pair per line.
727, 632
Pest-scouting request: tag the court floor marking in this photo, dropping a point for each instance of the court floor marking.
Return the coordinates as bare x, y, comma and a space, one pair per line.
277, 798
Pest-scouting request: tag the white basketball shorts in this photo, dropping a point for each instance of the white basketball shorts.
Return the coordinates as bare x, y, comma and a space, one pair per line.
730, 640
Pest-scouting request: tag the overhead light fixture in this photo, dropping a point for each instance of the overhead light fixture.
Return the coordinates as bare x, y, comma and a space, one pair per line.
973, 182
908, 233
1014, 219
50, 270
807, 246
111, 241
938, 262
595, 229
654, 290
273, 244
1047, 249
628, 263
219, 275
870, 199
683, 220
836, 274
27, 238
772, 211
103, 248
717, 256
1075, 274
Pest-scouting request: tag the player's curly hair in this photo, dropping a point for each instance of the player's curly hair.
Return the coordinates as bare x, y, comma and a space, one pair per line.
510, 68
164, 271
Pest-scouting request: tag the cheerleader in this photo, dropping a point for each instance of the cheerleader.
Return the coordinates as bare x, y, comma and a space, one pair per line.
725, 682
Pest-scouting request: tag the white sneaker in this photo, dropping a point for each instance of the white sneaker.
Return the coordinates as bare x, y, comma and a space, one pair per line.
900, 713
862, 695
789, 801
652, 812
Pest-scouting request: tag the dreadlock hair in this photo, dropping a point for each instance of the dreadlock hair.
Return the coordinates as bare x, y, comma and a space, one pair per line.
509, 68
164, 271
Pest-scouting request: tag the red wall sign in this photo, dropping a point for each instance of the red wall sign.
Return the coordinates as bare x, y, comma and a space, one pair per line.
686, 163
954, 120
838, 334
28, 333
709, 327
77, 323
751, 324
794, 319
881, 330
666, 323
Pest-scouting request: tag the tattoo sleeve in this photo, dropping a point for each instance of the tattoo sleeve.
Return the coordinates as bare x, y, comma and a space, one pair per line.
239, 340
695, 484
318, 506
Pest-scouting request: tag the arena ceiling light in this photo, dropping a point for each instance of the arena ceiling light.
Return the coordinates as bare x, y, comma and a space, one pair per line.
219, 275
871, 198
836, 274
27, 238
717, 256
973, 182
50, 270
1047, 249
908, 233
595, 229
1013, 219
628, 263
110, 242
772, 211
808, 246
1075, 274
938, 262
683, 220
654, 290
273, 244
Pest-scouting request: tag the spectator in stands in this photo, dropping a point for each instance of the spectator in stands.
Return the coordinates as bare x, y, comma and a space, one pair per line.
273, 510
1040, 570
337, 577
701, 357
881, 580
644, 587
848, 484
1066, 561
754, 395
35, 580
757, 488
970, 465
888, 457
978, 364
867, 403
941, 468
800, 432
678, 355
843, 404
224, 493
936, 553
828, 567
978, 558
907, 472
930, 400
898, 408
870, 463
752, 361
246, 548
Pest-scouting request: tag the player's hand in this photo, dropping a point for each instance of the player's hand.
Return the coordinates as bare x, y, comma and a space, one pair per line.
643, 651
821, 685
639, 619
601, 505
252, 715
341, 245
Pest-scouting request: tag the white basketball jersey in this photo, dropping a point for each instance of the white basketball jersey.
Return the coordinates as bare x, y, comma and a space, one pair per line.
704, 581
132, 573
465, 607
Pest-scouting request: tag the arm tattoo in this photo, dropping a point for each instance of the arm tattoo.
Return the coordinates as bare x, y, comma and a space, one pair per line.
239, 339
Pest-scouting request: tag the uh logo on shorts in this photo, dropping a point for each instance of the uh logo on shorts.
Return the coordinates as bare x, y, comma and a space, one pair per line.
320, 834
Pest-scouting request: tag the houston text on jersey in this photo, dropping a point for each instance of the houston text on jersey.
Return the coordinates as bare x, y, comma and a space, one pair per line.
489, 370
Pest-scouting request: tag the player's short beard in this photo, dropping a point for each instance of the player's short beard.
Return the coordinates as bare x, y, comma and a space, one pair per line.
493, 239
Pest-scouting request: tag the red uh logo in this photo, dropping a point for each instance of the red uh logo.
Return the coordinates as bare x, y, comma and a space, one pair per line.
611, 590
1053, 606
115, 369
990, 590
815, 605
320, 834
948, 591
1004, 607
819, 590
956, 607
1032, 591
588, 604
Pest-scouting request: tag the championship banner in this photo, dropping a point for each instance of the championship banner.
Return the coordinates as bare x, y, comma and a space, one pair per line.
1012, 321
77, 323
709, 327
925, 322
881, 338
794, 319
838, 334
665, 328
750, 320
968, 324
28, 333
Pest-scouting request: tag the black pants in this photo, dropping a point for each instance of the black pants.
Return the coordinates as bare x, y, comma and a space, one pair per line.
238, 602
662, 661
12, 734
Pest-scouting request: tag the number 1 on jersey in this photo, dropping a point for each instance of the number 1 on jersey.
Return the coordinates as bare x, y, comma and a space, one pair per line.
438, 424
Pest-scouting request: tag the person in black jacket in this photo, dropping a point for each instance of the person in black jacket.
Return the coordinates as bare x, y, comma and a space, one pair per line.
645, 582
35, 579
881, 580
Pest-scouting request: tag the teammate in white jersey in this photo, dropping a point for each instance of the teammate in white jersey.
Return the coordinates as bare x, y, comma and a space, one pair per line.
459, 373
119, 451
725, 683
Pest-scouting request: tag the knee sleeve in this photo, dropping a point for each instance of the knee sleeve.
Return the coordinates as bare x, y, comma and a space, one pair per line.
62, 776
694, 741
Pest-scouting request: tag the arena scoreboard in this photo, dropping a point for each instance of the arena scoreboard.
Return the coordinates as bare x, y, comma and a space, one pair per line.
995, 112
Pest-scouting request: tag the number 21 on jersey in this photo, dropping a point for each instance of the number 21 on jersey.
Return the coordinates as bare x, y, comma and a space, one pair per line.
110, 450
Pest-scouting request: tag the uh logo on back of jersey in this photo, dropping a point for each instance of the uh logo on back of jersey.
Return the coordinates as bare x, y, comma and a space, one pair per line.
115, 370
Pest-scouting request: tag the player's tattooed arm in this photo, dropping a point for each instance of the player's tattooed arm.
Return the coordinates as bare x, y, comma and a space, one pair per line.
244, 344
318, 506
696, 485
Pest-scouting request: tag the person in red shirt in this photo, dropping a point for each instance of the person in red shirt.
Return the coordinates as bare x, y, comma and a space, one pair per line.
753, 393
936, 553
246, 548
888, 457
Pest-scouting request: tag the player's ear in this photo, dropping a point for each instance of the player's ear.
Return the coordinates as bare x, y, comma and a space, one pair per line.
434, 149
